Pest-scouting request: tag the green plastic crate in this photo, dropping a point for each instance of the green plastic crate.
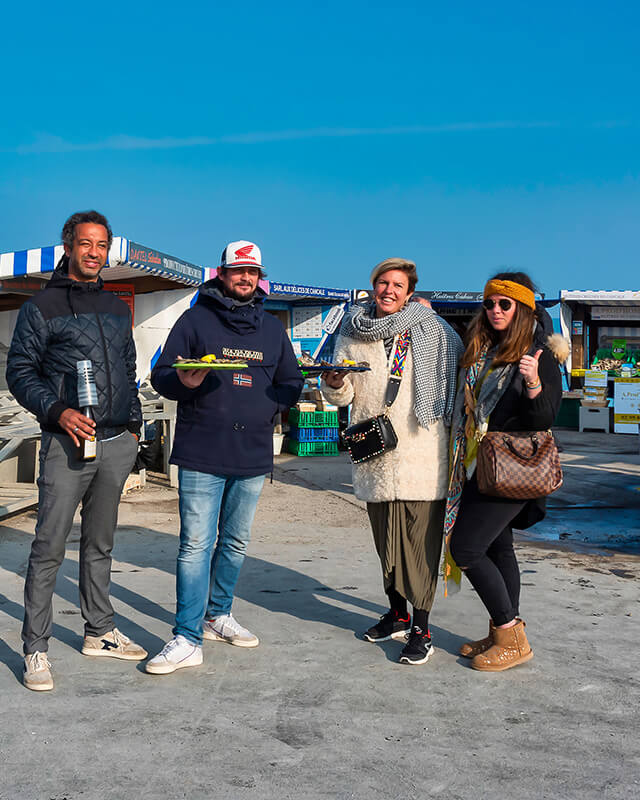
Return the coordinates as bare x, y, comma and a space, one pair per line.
313, 448
313, 419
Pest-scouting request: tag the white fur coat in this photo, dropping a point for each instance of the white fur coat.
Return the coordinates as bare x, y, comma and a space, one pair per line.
418, 468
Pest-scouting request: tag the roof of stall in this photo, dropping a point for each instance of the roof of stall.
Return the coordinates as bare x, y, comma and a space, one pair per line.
601, 297
126, 260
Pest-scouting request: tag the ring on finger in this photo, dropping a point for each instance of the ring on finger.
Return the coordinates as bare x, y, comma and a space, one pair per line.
76, 429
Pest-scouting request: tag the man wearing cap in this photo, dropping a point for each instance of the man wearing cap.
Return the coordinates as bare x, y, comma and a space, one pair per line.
223, 445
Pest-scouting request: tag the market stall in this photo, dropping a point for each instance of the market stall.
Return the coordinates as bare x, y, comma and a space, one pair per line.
604, 329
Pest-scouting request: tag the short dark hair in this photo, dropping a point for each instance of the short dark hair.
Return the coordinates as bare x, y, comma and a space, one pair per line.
79, 218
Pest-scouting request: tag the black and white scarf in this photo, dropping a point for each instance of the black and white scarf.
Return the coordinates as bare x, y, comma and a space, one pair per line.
435, 347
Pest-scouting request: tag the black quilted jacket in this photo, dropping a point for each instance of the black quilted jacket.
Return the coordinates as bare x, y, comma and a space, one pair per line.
66, 322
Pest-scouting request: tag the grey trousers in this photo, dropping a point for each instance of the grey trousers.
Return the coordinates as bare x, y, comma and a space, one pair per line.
63, 483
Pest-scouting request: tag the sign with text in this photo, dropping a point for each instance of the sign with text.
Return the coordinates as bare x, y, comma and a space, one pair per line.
308, 291
170, 265
626, 399
333, 319
619, 312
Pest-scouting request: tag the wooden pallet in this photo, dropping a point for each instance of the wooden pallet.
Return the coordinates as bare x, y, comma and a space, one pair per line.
15, 497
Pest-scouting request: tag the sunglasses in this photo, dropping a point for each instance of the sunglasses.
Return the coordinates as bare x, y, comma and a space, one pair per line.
504, 304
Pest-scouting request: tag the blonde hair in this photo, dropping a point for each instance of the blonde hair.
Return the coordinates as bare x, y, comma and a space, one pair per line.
402, 264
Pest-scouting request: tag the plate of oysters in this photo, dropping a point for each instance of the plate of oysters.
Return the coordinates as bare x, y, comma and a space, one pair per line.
311, 368
209, 362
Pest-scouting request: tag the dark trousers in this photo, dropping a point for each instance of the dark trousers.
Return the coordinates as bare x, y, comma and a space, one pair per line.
63, 483
482, 545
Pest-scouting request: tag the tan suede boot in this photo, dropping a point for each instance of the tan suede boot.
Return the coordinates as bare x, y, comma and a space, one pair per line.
510, 648
471, 649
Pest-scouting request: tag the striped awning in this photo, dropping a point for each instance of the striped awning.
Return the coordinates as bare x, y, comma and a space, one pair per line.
126, 260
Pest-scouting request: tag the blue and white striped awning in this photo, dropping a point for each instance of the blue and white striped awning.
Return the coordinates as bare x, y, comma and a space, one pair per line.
126, 260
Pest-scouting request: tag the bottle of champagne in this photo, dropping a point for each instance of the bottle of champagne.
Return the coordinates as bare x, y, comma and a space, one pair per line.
88, 447
87, 397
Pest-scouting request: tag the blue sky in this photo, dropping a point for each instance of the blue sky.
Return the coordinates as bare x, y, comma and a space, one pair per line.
467, 137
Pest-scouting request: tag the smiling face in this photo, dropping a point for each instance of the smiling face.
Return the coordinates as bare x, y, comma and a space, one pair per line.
391, 292
89, 252
499, 319
240, 282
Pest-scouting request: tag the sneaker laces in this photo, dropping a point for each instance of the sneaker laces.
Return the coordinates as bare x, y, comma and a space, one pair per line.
230, 622
119, 638
171, 645
38, 661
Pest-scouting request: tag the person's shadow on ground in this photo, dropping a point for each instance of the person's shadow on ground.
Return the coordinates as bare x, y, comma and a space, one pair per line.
263, 583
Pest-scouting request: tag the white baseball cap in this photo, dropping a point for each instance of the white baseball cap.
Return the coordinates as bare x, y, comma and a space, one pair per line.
242, 254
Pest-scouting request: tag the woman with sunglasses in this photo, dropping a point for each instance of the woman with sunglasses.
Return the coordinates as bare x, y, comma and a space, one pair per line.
509, 381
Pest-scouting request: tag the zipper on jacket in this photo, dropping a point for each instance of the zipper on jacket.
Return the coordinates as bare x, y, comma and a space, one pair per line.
107, 367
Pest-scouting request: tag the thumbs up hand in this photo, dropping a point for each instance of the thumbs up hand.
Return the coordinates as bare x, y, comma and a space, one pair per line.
529, 368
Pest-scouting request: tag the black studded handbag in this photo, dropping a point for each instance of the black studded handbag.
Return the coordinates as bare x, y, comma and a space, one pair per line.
375, 436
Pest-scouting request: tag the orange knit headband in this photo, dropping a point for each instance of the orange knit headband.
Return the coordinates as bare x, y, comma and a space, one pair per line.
511, 289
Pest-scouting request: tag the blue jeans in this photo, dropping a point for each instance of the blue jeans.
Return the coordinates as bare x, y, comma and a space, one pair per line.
212, 507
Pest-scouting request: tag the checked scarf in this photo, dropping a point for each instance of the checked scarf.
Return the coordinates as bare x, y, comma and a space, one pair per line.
435, 347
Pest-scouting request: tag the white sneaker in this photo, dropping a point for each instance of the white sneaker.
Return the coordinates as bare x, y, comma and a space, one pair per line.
176, 654
226, 629
37, 672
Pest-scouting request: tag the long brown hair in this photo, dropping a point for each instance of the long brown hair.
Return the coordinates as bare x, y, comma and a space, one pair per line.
518, 337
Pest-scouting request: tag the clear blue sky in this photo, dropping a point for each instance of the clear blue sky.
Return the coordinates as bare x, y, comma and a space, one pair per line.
465, 136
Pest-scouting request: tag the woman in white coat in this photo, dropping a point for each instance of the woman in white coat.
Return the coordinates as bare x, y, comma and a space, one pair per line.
404, 488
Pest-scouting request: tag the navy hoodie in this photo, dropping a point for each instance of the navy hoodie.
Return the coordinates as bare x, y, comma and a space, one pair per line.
225, 426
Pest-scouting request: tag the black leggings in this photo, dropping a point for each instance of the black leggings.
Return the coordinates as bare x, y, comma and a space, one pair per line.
482, 545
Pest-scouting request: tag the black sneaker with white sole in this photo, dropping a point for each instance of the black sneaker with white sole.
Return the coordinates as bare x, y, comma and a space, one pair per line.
391, 626
418, 649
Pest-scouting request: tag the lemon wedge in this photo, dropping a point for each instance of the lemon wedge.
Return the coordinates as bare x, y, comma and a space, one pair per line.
208, 358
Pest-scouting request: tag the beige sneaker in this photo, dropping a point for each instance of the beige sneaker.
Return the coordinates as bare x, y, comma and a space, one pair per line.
113, 644
37, 672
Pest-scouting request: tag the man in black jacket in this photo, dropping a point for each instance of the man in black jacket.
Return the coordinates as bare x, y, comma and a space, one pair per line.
223, 445
73, 320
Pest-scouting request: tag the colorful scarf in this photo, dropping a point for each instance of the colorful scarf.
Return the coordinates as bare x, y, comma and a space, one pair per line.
470, 420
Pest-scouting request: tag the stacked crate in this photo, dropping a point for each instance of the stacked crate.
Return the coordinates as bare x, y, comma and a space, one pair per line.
313, 433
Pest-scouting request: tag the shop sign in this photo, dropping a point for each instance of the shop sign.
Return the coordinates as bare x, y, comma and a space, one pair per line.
309, 291
577, 327
138, 254
626, 401
332, 320
617, 313
454, 297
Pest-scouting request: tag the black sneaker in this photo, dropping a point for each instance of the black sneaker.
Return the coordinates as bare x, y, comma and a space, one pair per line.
391, 626
418, 649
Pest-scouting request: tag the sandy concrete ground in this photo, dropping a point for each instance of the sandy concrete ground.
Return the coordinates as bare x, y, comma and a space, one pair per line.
315, 711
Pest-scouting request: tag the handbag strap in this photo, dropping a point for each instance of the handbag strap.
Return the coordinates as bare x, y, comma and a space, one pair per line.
397, 368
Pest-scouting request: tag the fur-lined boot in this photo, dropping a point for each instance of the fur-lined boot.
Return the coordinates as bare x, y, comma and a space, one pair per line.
471, 649
510, 648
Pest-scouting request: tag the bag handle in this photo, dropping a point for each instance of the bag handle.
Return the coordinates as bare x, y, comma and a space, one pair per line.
397, 369
534, 442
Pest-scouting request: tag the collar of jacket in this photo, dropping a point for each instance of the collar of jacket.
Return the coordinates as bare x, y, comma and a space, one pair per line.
241, 316
61, 280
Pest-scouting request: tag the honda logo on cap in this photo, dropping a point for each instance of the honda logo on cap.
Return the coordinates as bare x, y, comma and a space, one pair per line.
242, 253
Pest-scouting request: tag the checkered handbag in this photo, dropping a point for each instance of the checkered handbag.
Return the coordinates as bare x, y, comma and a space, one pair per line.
522, 466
